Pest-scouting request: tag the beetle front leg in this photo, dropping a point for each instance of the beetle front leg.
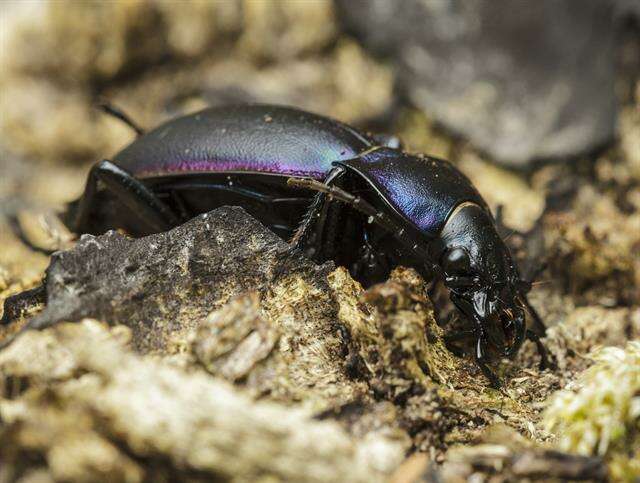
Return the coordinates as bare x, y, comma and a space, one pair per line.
126, 189
482, 362
538, 327
544, 358
479, 354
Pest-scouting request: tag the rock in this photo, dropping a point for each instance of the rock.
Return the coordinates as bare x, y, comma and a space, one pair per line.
521, 81
283, 342
630, 135
163, 285
235, 361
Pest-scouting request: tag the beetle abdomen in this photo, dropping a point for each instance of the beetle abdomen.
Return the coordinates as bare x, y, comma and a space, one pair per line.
252, 138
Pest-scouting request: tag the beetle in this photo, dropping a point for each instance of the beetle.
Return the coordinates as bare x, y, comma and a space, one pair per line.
334, 192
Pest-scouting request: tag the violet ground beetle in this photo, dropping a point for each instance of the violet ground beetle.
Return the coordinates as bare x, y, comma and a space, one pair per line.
335, 192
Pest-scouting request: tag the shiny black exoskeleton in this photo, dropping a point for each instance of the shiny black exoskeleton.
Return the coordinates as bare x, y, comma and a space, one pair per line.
335, 192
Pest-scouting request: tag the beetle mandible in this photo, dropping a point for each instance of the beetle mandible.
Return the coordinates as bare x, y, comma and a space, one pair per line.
364, 203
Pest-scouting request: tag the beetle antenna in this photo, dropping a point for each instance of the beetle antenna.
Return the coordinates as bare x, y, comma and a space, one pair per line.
374, 216
530, 281
108, 108
356, 202
540, 282
509, 235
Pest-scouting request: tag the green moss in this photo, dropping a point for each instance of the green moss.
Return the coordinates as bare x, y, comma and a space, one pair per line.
601, 414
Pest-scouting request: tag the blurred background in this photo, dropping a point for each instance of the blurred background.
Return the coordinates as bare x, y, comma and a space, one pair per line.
516, 82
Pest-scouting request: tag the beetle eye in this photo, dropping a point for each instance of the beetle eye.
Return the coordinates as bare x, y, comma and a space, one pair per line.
456, 262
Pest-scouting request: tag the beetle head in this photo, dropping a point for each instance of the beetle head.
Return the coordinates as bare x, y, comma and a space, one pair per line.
483, 280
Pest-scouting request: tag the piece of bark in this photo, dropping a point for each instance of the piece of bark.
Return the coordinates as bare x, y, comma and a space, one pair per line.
163, 285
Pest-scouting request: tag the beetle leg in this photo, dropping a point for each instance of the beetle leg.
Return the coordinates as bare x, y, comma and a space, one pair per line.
461, 335
479, 354
481, 361
354, 201
127, 189
504, 231
519, 329
308, 235
178, 200
16, 304
538, 326
544, 358
499, 216
371, 263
